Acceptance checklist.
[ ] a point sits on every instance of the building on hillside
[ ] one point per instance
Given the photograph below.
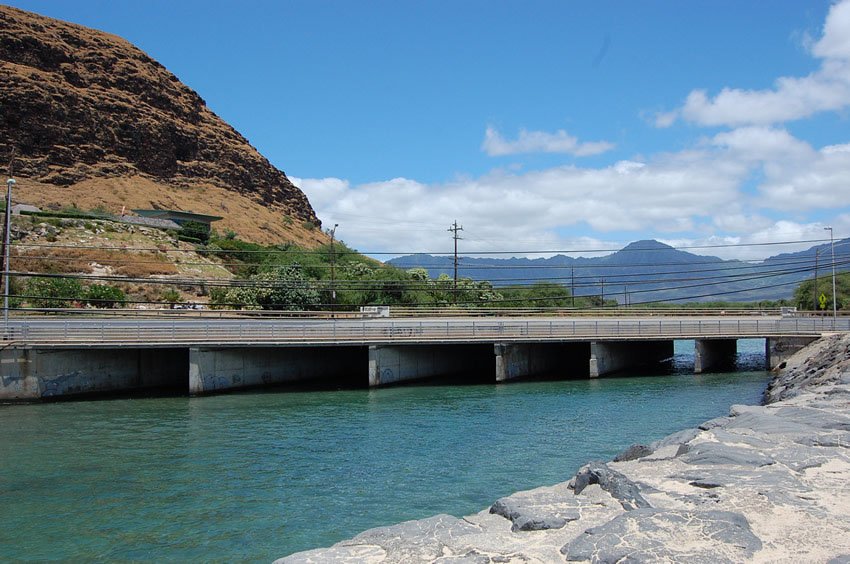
(17, 209)
(179, 217)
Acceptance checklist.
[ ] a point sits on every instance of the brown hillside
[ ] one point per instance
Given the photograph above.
(93, 121)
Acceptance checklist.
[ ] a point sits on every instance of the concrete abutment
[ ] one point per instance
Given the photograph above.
(33, 373)
(778, 349)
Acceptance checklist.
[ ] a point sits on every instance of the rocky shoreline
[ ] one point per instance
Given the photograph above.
(766, 483)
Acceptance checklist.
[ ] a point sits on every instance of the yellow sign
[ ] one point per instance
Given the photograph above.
(822, 301)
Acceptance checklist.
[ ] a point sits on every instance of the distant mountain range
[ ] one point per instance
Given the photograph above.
(646, 271)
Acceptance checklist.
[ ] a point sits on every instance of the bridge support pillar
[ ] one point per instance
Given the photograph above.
(520, 360)
(714, 353)
(34, 373)
(392, 364)
(614, 356)
(219, 369)
(778, 349)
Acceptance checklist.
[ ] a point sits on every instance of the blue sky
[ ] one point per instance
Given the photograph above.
(538, 125)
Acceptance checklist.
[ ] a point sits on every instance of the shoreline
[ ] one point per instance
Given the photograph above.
(765, 483)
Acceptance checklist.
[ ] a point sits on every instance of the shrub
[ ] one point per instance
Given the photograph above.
(171, 296)
(195, 230)
(54, 292)
(104, 295)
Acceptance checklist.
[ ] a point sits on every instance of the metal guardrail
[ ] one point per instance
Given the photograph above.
(177, 332)
(408, 312)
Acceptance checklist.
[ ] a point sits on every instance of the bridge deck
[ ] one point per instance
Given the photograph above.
(112, 332)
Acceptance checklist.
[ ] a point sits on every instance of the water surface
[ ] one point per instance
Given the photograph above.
(256, 476)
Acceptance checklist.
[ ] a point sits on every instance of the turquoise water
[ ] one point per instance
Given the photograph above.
(256, 476)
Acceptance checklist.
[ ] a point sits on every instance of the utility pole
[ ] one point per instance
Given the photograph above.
(10, 183)
(816, 279)
(573, 285)
(454, 229)
(834, 295)
(333, 268)
(603, 291)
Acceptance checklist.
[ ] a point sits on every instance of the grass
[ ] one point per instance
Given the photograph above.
(67, 261)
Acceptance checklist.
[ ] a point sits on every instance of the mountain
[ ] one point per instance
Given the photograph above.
(646, 271)
(89, 119)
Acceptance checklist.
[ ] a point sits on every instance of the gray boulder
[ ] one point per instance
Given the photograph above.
(621, 488)
(650, 535)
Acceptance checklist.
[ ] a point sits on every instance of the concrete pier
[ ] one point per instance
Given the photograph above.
(226, 368)
(392, 364)
(607, 357)
(714, 353)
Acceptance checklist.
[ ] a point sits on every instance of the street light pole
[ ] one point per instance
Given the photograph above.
(834, 295)
(10, 183)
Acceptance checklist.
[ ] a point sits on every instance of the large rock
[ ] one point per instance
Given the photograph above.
(76, 104)
(650, 535)
(620, 487)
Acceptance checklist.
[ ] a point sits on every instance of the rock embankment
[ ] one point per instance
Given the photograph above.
(765, 484)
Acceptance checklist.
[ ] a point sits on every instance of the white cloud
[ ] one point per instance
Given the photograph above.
(666, 119)
(540, 142)
(725, 190)
(764, 144)
(791, 98)
(835, 43)
(820, 182)
(509, 211)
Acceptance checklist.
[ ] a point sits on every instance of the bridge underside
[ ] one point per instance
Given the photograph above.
(44, 372)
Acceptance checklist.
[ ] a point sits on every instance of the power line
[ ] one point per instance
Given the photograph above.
(436, 254)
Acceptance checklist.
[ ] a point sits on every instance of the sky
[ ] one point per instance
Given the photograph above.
(539, 126)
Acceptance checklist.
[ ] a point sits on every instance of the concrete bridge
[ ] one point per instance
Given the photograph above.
(50, 357)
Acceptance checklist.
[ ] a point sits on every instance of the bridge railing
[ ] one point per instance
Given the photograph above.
(141, 332)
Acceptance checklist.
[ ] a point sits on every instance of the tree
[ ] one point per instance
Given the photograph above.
(537, 295)
(805, 296)
(279, 288)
